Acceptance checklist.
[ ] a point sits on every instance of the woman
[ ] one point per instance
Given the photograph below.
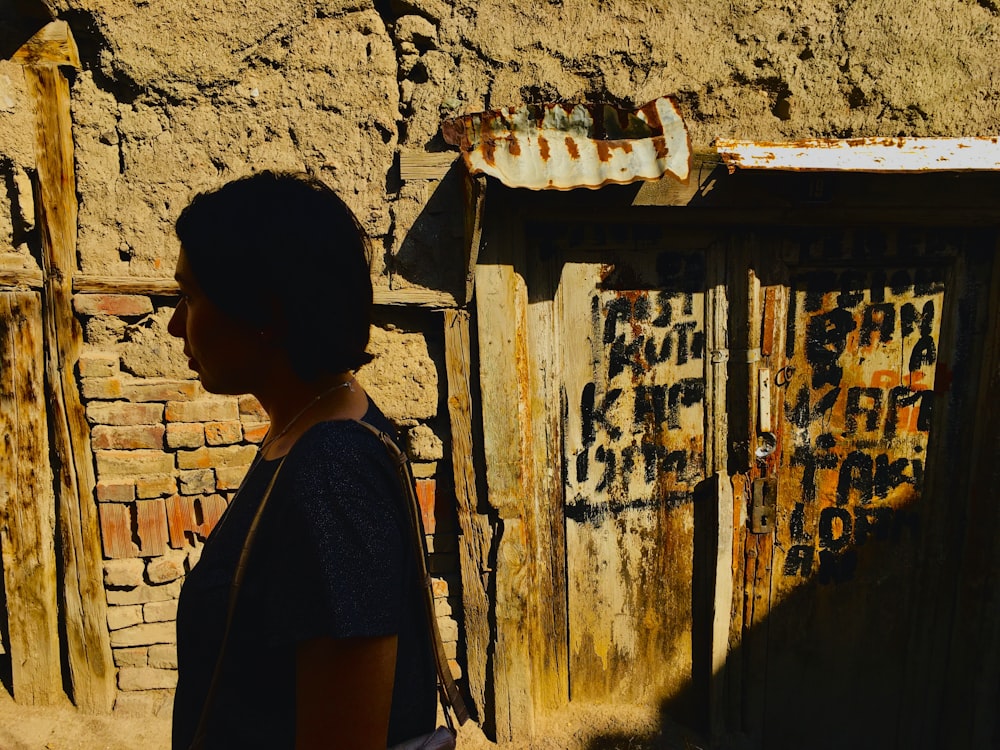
(328, 645)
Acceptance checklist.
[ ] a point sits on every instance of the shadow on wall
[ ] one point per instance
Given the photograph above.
(19, 21)
(431, 251)
(831, 664)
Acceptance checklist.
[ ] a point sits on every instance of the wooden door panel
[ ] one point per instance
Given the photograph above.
(633, 385)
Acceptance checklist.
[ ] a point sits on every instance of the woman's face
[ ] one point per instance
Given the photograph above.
(228, 354)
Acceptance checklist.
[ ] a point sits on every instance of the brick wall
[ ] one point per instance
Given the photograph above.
(169, 457)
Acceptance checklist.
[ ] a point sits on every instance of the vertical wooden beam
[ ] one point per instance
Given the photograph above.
(91, 668)
(27, 505)
(477, 536)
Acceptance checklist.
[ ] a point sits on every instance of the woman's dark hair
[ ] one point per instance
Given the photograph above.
(281, 247)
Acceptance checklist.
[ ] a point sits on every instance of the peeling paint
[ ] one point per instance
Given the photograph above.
(864, 154)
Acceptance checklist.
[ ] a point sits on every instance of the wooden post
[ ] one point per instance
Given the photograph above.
(91, 668)
(477, 535)
(27, 505)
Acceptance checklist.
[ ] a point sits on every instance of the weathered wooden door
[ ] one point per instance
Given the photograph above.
(631, 313)
(864, 370)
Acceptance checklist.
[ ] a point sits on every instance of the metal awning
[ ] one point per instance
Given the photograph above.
(976, 154)
(561, 146)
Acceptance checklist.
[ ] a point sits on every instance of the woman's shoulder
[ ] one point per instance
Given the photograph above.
(342, 442)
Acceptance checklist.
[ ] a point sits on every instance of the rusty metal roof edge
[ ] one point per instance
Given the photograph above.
(564, 146)
(872, 154)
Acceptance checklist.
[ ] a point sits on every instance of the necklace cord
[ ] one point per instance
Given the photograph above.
(269, 441)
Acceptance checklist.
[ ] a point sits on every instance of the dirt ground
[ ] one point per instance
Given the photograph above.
(62, 727)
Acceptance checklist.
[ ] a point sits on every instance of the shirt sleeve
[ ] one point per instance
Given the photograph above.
(338, 539)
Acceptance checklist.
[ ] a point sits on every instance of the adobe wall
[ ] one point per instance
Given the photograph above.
(179, 95)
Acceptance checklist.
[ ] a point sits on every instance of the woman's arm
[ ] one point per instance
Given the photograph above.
(344, 693)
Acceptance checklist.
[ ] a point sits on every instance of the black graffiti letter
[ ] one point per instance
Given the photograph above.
(856, 473)
(828, 538)
(799, 560)
(880, 319)
(826, 340)
(871, 412)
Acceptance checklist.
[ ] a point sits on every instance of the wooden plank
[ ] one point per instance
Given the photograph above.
(27, 506)
(544, 509)
(26, 278)
(501, 299)
(477, 534)
(52, 45)
(475, 202)
(91, 668)
(415, 164)
(93, 283)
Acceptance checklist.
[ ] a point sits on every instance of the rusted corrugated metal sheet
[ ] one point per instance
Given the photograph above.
(865, 154)
(563, 146)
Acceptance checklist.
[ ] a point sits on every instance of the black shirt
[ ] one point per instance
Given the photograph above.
(333, 557)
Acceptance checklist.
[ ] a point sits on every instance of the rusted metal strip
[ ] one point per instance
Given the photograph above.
(559, 146)
(865, 154)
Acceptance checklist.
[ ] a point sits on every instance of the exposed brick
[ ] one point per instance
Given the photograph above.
(254, 432)
(98, 364)
(161, 390)
(107, 389)
(163, 656)
(443, 585)
(123, 617)
(229, 479)
(251, 410)
(448, 629)
(223, 433)
(151, 521)
(451, 650)
(165, 611)
(203, 410)
(145, 635)
(123, 413)
(122, 305)
(197, 482)
(183, 514)
(128, 437)
(116, 530)
(143, 704)
(185, 435)
(455, 667)
(130, 463)
(427, 495)
(133, 656)
(167, 568)
(443, 608)
(224, 456)
(156, 485)
(122, 491)
(146, 678)
(125, 573)
(144, 593)
(424, 469)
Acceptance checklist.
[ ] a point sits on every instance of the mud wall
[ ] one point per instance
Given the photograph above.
(173, 97)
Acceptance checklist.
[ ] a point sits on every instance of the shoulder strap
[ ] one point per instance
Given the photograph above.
(448, 690)
(234, 590)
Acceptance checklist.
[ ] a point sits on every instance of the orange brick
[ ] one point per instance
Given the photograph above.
(116, 530)
(255, 432)
(203, 410)
(192, 516)
(151, 519)
(223, 433)
(116, 492)
(155, 485)
(124, 413)
(101, 389)
(250, 408)
(127, 437)
(185, 435)
(124, 305)
(427, 496)
(161, 390)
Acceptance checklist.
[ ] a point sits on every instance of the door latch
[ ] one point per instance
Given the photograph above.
(763, 505)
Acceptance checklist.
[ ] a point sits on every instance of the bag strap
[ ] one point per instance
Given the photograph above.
(234, 590)
(447, 688)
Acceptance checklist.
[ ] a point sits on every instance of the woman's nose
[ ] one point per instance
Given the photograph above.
(175, 326)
